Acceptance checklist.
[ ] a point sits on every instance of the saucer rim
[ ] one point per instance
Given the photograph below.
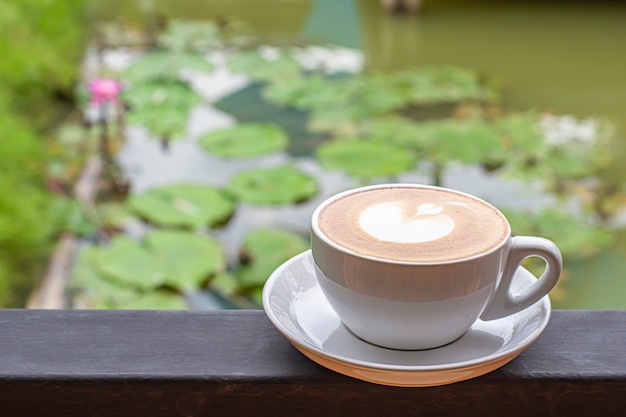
(303, 342)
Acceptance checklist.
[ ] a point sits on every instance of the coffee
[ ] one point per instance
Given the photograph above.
(413, 224)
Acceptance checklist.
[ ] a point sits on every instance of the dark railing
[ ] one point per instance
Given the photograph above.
(235, 363)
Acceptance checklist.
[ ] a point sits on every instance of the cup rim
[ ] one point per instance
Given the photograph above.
(315, 229)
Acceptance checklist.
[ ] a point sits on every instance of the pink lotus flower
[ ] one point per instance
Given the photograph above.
(103, 90)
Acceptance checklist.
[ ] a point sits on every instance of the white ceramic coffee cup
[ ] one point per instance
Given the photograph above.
(423, 305)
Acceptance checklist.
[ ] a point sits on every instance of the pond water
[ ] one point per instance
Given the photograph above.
(556, 56)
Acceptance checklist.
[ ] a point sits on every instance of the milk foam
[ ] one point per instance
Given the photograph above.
(380, 223)
(400, 223)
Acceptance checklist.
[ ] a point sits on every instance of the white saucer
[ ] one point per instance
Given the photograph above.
(294, 303)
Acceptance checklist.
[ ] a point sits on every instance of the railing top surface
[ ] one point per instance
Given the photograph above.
(235, 363)
(244, 346)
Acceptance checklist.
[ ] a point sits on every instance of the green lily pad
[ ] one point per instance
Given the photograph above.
(467, 141)
(161, 122)
(183, 205)
(113, 215)
(184, 35)
(276, 185)
(522, 134)
(182, 260)
(157, 300)
(339, 99)
(245, 140)
(163, 65)
(188, 259)
(161, 106)
(263, 251)
(129, 263)
(432, 85)
(157, 94)
(225, 284)
(85, 274)
(308, 92)
(375, 94)
(574, 236)
(258, 68)
(365, 159)
(444, 140)
(89, 288)
(394, 129)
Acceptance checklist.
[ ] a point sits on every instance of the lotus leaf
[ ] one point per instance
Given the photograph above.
(245, 140)
(182, 260)
(181, 35)
(259, 68)
(365, 159)
(112, 215)
(353, 98)
(276, 185)
(157, 300)
(161, 106)
(264, 250)
(157, 94)
(163, 65)
(91, 289)
(129, 263)
(307, 92)
(468, 141)
(226, 292)
(446, 140)
(187, 259)
(87, 279)
(161, 122)
(183, 205)
(445, 85)
(375, 94)
(396, 130)
(225, 284)
(574, 236)
(522, 133)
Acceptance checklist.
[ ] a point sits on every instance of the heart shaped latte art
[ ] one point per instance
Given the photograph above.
(388, 222)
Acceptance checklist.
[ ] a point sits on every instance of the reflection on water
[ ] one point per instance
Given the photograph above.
(556, 56)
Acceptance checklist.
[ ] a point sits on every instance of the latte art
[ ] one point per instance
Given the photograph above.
(413, 224)
(388, 222)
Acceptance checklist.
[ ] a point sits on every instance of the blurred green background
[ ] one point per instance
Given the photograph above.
(544, 57)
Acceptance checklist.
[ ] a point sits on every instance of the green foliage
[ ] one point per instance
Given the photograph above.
(161, 106)
(334, 102)
(339, 99)
(200, 36)
(42, 44)
(182, 35)
(431, 85)
(275, 185)
(183, 205)
(259, 68)
(245, 140)
(365, 159)
(181, 260)
(303, 92)
(153, 95)
(574, 236)
(158, 97)
(92, 289)
(263, 251)
(381, 125)
(467, 141)
(165, 66)
(25, 239)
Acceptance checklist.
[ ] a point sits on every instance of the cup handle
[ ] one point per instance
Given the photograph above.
(504, 302)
